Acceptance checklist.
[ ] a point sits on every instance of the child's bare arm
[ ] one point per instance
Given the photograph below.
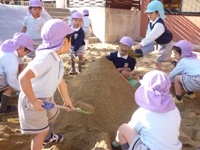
(23, 29)
(123, 69)
(25, 82)
(63, 90)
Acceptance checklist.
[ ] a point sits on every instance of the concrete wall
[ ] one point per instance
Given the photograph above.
(121, 23)
(109, 25)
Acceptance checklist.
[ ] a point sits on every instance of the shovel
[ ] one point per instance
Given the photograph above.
(48, 106)
(75, 58)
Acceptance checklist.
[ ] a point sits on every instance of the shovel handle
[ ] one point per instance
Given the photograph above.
(48, 106)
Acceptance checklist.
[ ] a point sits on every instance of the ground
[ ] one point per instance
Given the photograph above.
(113, 98)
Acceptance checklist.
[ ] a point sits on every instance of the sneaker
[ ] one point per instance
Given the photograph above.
(54, 138)
(177, 101)
(115, 144)
(9, 108)
(191, 96)
(72, 72)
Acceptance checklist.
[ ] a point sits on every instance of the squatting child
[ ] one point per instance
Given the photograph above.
(186, 74)
(155, 124)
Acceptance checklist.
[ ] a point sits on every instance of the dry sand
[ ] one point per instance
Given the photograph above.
(101, 86)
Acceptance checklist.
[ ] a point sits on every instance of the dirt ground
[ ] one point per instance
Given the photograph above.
(101, 86)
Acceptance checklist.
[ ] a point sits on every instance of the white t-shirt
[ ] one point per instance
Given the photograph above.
(9, 67)
(33, 26)
(159, 131)
(48, 70)
(86, 22)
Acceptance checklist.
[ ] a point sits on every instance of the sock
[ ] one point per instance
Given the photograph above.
(125, 146)
(179, 97)
(189, 93)
(4, 100)
(48, 136)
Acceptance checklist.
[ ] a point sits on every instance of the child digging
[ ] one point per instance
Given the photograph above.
(39, 81)
(122, 61)
(186, 74)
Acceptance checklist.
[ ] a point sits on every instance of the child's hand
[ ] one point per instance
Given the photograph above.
(37, 105)
(119, 69)
(68, 104)
(139, 46)
(75, 53)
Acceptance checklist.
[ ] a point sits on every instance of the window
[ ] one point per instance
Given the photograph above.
(171, 4)
(182, 6)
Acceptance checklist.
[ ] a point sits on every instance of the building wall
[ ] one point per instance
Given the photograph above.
(182, 26)
(121, 23)
(109, 25)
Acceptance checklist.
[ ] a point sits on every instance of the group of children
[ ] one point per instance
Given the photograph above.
(155, 125)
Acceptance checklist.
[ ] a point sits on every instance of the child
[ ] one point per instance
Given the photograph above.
(77, 43)
(155, 125)
(69, 19)
(39, 81)
(158, 31)
(87, 26)
(32, 24)
(10, 51)
(186, 74)
(122, 61)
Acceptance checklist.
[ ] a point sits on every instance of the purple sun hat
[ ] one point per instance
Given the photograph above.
(186, 48)
(85, 12)
(35, 3)
(154, 92)
(73, 11)
(126, 41)
(19, 39)
(53, 33)
(76, 15)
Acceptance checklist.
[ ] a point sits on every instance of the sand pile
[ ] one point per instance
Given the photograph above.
(101, 86)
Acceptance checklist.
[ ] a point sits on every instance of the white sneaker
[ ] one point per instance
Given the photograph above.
(54, 138)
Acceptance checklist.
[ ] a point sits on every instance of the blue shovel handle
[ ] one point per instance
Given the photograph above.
(48, 105)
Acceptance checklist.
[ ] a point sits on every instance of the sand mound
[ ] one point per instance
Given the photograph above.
(101, 86)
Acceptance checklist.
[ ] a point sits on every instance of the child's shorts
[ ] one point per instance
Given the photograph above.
(87, 32)
(80, 51)
(164, 52)
(34, 122)
(137, 144)
(3, 83)
(190, 83)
